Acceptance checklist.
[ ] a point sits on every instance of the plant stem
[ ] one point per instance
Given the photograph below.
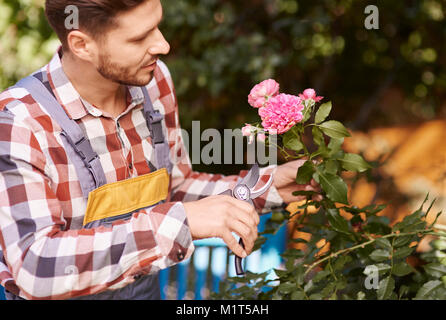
(362, 245)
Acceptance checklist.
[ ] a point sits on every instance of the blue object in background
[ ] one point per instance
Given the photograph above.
(2, 293)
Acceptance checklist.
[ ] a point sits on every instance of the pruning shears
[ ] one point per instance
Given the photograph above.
(243, 191)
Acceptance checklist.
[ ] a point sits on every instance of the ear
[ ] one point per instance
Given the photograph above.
(82, 45)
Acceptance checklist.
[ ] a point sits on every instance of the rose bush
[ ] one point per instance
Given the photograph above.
(353, 253)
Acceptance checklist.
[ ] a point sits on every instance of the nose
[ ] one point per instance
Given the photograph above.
(159, 45)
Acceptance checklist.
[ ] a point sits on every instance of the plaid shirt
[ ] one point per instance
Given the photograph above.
(45, 253)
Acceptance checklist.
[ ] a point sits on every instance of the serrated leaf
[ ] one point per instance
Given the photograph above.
(372, 209)
(427, 289)
(334, 186)
(401, 269)
(323, 112)
(334, 129)
(337, 221)
(380, 255)
(383, 243)
(304, 173)
(411, 222)
(402, 240)
(386, 287)
(354, 162)
(402, 252)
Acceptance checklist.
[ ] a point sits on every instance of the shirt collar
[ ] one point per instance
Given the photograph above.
(75, 106)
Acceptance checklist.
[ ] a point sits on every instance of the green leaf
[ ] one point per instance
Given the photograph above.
(331, 166)
(411, 222)
(298, 295)
(341, 262)
(318, 136)
(439, 244)
(334, 129)
(383, 243)
(402, 240)
(334, 186)
(323, 112)
(380, 255)
(403, 291)
(291, 141)
(304, 173)
(335, 145)
(385, 288)
(320, 275)
(383, 268)
(427, 289)
(401, 269)
(402, 252)
(354, 162)
(303, 193)
(337, 221)
(435, 269)
(287, 287)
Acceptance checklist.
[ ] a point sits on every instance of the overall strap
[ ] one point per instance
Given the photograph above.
(87, 163)
(154, 122)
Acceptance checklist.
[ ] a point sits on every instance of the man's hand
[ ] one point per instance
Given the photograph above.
(285, 182)
(219, 216)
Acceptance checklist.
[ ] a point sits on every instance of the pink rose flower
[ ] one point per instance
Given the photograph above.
(246, 130)
(281, 113)
(261, 137)
(310, 94)
(262, 92)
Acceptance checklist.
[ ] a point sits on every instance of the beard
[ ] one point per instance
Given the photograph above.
(120, 74)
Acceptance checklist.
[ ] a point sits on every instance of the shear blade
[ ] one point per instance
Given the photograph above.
(260, 191)
(250, 180)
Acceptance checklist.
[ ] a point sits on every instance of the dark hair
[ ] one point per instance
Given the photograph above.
(95, 16)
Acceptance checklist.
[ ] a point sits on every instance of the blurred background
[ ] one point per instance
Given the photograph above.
(388, 85)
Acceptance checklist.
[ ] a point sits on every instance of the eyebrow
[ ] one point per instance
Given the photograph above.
(143, 35)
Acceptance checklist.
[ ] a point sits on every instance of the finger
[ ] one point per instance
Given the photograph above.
(250, 219)
(233, 245)
(247, 208)
(247, 234)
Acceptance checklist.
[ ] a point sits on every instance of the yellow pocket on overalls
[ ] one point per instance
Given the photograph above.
(125, 196)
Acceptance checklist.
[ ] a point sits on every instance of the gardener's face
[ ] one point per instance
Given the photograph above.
(128, 54)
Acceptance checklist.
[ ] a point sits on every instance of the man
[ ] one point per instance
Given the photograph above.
(98, 78)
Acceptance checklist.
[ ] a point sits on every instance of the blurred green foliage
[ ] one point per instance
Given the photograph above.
(220, 49)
